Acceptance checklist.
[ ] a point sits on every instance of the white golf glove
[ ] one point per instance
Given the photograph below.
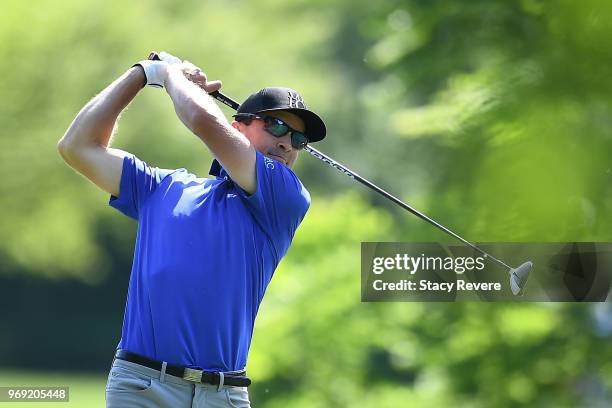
(156, 70)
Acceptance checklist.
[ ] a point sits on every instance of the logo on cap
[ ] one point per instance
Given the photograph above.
(296, 100)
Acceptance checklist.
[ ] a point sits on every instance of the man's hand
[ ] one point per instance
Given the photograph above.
(198, 77)
(189, 70)
(166, 57)
(156, 68)
(155, 72)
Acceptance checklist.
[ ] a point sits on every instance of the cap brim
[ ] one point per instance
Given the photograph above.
(314, 125)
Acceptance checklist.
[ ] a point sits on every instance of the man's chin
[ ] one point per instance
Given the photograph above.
(278, 159)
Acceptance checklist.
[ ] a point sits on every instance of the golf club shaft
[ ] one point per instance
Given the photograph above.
(343, 169)
(396, 200)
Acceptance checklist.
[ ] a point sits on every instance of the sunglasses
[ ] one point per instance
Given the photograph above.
(277, 128)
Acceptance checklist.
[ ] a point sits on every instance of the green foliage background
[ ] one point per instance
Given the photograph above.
(491, 116)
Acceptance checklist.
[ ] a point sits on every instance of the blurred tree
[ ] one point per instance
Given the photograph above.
(503, 108)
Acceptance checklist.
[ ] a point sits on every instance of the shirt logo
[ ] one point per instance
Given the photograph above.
(296, 101)
(269, 163)
(230, 195)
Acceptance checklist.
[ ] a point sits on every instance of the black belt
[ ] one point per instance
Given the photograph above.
(238, 379)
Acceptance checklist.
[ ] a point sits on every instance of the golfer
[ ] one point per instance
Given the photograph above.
(206, 248)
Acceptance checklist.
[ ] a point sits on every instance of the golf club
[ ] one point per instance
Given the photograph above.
(518, 275)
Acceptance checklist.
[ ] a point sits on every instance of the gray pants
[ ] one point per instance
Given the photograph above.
(132, 385)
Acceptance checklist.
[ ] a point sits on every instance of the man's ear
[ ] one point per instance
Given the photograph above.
(239, 126)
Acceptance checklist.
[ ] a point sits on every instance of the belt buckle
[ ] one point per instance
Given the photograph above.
(192, 375)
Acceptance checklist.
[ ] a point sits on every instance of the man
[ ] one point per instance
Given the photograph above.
(206, 249)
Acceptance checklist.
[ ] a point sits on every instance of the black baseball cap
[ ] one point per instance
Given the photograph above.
(285, 99)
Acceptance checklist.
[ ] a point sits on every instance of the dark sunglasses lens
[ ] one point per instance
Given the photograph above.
(277, 127)
(298, 140)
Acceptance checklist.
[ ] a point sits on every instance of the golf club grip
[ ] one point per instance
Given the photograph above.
(215, 94)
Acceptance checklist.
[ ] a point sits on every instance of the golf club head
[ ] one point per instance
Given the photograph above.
(518, 277)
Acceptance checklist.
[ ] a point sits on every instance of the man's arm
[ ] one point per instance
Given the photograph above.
(199, 112)
(85, 145)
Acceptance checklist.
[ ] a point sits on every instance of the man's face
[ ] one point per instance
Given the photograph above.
(277, 148)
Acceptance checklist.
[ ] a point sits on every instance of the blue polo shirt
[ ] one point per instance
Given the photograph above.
(204, 255)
